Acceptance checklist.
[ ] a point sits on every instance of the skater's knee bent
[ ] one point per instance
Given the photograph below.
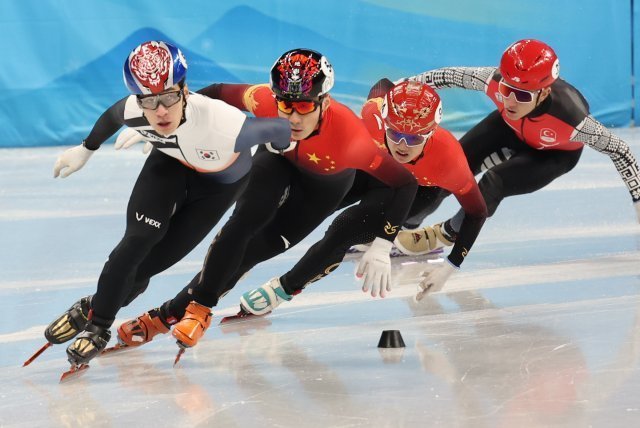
(138, 288)
(348, 230)
(140, 244)
(492, 189)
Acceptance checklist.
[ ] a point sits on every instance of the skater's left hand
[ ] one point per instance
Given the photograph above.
(434, 280)
(375, 268)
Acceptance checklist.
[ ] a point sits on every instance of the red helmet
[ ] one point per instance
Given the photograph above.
(529, 64)
(412, 108)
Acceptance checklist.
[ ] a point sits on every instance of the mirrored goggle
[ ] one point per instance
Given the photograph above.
(167, 99)
(521, 95)
(409, 139)
(301, 107)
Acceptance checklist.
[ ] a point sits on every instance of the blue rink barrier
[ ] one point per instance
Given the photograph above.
(63, 60)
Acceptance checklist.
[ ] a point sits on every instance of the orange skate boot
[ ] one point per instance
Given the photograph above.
(143, 329)
(193, 325)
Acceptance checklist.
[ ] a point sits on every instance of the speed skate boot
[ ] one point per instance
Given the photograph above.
(193, 325)
(65, 327)
(425, 240)
(265, 298)
(89, 343)
(70, 323)
(143, 329)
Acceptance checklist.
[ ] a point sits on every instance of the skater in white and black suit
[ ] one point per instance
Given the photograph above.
(198, 168)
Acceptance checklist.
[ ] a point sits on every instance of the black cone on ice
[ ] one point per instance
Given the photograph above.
(391, 339)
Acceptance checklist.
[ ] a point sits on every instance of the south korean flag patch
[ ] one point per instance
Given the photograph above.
(207, 155)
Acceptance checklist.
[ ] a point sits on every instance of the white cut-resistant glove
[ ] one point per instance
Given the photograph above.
(128, 137)
(636, 205)
(434, 280)
(270, 146)
(71, 160)
(375, 268)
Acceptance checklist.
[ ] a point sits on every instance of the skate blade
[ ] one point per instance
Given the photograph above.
(432, 257)
(180, 352)
(74, 372)
(242, 315)
(37, 354)
(114, 349)
(429, 255)
(397, 254)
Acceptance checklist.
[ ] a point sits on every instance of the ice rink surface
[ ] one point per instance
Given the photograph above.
(541, 328)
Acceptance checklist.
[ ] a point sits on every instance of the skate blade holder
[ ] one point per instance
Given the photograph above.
(74, 372)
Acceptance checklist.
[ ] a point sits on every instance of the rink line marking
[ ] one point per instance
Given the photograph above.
(561, 233)
(625, 264)
(19, 215)
(33, 214)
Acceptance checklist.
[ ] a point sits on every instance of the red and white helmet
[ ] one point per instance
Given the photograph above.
(153, 67)
(412, 108)
(529, 64)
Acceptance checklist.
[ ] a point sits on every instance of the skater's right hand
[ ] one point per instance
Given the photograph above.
(375, 268)
(128, 137)
(71, 160)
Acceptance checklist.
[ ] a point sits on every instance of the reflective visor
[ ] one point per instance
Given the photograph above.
(409, 139)
(521, 95)
(301, 107)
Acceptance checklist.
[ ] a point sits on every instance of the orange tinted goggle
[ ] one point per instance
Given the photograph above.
(301, 107)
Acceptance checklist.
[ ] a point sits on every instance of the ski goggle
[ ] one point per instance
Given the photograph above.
(301, 107)
(411, 140)
(167, 99)
(521, 95)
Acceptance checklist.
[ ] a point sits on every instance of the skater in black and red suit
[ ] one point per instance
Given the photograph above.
(535, 135)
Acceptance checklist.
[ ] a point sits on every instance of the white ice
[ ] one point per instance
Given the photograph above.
(540, 328)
